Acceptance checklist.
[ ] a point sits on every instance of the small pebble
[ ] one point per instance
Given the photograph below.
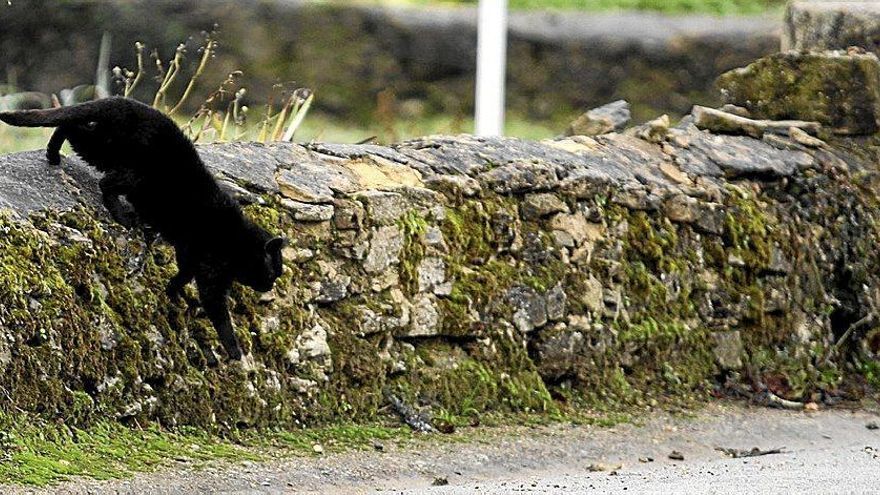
(601, 466)
(676, 455)
(440, 481)
(873, 426)
(318, 449)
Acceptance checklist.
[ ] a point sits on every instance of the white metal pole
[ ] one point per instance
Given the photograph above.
(491, 67)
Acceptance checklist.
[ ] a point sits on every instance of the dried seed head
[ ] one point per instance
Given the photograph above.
(302, 94)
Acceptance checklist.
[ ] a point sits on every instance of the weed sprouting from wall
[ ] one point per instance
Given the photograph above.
(223, 114)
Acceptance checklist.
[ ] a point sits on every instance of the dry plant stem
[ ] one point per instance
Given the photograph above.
(869, 319)
(160, 69)
(209, 117)
(835, 348)
(267, 122)
(293, 109)
(232, 113)
(205, 109)
(204, 114)
(298, 119)
(264, 129)
(188, 127)
(238, 114)
(238, 111)
(226, 119)
(282, 117)
(170, 76)
(264, 125)
(205, 122)
(129, 88)
(208, 52)
(774, 400)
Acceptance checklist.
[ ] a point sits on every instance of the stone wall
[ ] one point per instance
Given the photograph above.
(425, 59)
(832, 25)
(465, 274)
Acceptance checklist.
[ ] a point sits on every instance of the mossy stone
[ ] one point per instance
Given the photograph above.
(837, 89)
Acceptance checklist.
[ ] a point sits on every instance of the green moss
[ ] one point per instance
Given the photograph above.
(870, 370)
(478, 276)
(652, 251)
(476, 381)
(39, 453)
(265, 216)
(479, 265)
(834, 91)
(750, 233)
(748, 230)
(413, 226)
(480, 380)
(480, 289)
(652, 350)
(460, 381)
(680, 354)
(89, 336)
(468, 230)
(795, 375)
(472, 387)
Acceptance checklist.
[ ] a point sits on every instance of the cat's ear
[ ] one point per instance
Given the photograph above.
(275, 244)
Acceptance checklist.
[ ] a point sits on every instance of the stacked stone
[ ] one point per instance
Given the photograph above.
(474, 273)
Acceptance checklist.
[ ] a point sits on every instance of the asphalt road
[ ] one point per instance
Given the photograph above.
(823, 452)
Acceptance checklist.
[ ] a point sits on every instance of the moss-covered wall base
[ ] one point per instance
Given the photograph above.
(466, 274)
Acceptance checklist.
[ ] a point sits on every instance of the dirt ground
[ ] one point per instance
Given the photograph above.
(830, 451)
